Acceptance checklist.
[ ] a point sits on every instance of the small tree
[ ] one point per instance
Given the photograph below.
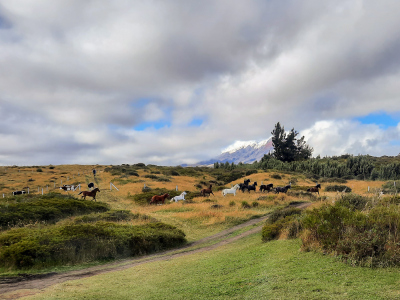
(287, 147)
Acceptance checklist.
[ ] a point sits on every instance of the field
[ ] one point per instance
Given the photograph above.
(243, 269)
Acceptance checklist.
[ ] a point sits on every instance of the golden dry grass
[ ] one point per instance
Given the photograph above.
(197, 219)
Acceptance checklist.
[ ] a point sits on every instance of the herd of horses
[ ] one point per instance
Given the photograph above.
(208, 191)
(241, 186)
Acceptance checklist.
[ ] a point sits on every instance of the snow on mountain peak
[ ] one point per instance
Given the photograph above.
(243, 144)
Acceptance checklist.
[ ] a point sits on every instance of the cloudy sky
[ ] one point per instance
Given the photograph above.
(173, 82)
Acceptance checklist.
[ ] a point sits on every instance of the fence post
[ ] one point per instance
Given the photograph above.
(38, 189)
(176, 188)
(110, 186)
(28, 191)
(42, 191)
(368, 188)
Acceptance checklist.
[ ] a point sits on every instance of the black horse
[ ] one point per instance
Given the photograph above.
(250, 187)
(246, 183)
(282, 189)
(267, 187)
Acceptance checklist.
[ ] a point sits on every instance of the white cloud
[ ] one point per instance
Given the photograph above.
(338, 137)
(75, 73)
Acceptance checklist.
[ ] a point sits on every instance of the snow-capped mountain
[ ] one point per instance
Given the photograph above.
(245, 152)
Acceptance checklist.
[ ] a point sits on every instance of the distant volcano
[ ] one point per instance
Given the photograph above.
(245, 152)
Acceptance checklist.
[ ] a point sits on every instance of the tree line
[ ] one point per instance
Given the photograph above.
(294, 155)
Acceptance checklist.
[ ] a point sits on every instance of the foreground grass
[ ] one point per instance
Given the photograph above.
(246, 269)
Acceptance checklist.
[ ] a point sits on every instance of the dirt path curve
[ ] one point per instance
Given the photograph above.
(15, 288)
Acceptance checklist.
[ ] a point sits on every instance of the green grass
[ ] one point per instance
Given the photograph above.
(246, 269)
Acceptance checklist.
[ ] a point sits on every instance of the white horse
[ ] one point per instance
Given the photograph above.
(231, 190)
(180, 197)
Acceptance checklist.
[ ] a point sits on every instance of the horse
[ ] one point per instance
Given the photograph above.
(90, 194)
(267, 187)
(251, 187)
(207, 191)
(180, 197)
(246, 183)
(231, 190)
(282, 189)
(314, 189)
(18, 193)
(155, 199)
(68, 187)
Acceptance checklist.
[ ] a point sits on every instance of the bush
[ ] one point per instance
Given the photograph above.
(151, 176)
(280, 214)
(232, 203)
(25, 248)
(276, 176)
(112, 216)
(163, 179)
(254, 204)
(338, 188)
(271, 231)
(230, 176)
(245, 204)
(39, 170)
(333, 179)
(353, 202)
(48, 208)
(249, 172)
(361, 239)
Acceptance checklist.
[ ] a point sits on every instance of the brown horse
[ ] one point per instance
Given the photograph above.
(90, 194)
(207, 191)
(155, 199)
(314, 189)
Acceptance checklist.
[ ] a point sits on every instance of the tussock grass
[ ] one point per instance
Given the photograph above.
(48, 208)
(77, 243)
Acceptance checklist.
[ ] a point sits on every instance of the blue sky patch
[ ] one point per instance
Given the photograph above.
(196, 123)
(140, 103)
(156, 125)
(382, 119)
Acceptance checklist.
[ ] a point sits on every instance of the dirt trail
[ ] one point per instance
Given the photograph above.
(14, 288)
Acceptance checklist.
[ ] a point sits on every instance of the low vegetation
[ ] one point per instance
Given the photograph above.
(48, 208)
(23, 248)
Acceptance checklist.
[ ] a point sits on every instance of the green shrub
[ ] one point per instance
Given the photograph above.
(163, 179)
(333, 179)
(232, 203)
(249, 172)
(361, 239)
(26, 248)
(353, 201)
(271, 231)
(280, 214)
(39, 170)
(338, 188)
(276, 176)
(151, 176)
(49, 208)
(254, 204)
(230, 176)
(111, 216)
(245, 204)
